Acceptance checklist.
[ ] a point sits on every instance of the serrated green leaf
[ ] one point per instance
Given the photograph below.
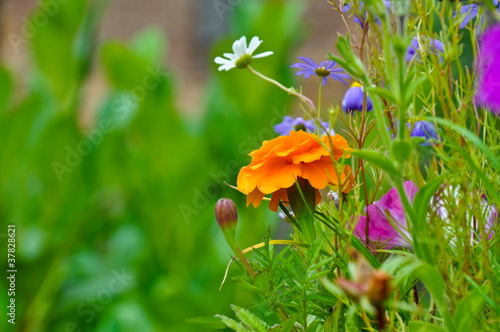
(232, 324)
(251, 321)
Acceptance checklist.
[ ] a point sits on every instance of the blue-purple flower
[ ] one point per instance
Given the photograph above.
(324, 70)
(469, 12)
(299, 123)
(488, 69)
(423, 129)
(433, 45)
(354, 99)
(361, 19)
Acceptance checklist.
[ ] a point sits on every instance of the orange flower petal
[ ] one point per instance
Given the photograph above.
(280, 161)
(255, 198)
(278, 196)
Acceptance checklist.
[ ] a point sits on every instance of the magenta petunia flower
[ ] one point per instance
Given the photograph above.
(387, 222)
(488, 70)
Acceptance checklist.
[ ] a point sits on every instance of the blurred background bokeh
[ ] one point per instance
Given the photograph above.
(117, 134)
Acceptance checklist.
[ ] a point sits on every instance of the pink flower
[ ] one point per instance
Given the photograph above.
(387, 227)
(488, 69)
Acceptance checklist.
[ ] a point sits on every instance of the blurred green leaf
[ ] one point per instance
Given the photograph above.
(424, 327)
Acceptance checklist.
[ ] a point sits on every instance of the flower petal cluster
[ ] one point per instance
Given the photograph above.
(435, 46)
(361, 19)
(469, 12)
(387, 227)
(324, 70)
(354, 99)
(280, 162)
(299, 123)
(488, 69)
(423, 129)
(242, 55)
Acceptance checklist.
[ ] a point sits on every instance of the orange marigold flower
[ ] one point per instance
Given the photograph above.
(281, 161)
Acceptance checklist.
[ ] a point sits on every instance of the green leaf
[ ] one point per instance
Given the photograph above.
(208, 322)
(467, 310)
(433, 281)
(380, 160)
(350, 62)
(6, 85)
(424, 327)
(471, 137)
(362, 249)
(231, 323)
(423, 198)
(250, 320)
(384, 93)
(483, 294)
(402, 149)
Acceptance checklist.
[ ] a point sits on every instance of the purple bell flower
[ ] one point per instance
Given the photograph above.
(354, 98)
(424, 129)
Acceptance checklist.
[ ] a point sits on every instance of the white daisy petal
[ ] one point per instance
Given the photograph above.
(240, 49)
(220, 61)
(261, 55)
(254, 43)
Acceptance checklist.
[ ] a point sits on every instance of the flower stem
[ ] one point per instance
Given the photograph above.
(320, 96)
(284, 88)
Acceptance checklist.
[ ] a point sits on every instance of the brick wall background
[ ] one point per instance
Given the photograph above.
(191, 27)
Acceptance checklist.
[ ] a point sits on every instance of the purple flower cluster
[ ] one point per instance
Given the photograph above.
(470, 12)
(299, 123)
(361, 19)
(435, 46)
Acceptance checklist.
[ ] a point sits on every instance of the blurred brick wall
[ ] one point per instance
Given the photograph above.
(190, 27)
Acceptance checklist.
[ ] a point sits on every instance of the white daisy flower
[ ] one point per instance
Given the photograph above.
(242, 55)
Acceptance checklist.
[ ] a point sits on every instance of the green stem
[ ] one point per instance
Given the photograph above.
(284, 88)
(320, 96)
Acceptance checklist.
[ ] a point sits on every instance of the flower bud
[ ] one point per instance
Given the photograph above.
(226, 214)
(424, 129)
(379, 287)
(354, 99)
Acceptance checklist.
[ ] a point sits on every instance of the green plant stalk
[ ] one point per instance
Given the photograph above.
(237, 251)
(284, 88)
